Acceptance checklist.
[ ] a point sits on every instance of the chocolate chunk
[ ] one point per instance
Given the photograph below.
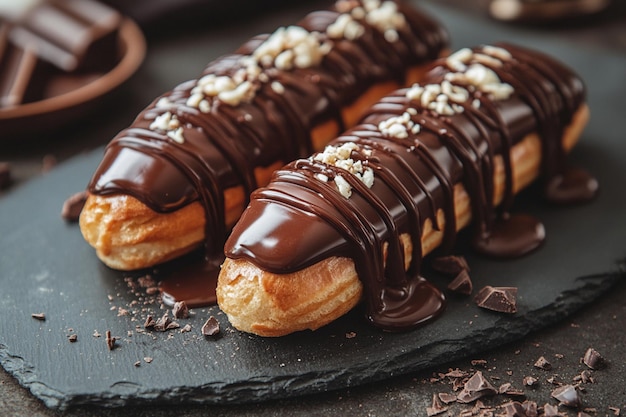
(514, 409)
(162, 323)
(550, 410)
(180, 310)
(73, 338)
(5, 175)
(450, 265)
(436, 407)
(73, 206)
(567, 395)
(211, 327)
(500, 299)
(110, 340)
(530, 381)
(542, 363)
(39, 316)
(149, 323)
(462, 284)
(446, 397)
(476, 387)
(530, 407)
(593, 359)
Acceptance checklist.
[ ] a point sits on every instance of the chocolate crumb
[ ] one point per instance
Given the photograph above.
(72, 338)
(514, 409)
(542, 363)
(450, 265)
(5, 175)
(436, 407)
(476, 387)
(211, 327)
(479, 362)
(350, 335)
(148, 359)
(500, 299)
(137, 364)
(73, 206)
(39, 316)
(180, 310)
(567, 396)
(110, 341)
(186, 328)
(446, 397)
(461, 284)
(530, 381)
(593, 359)
(550, 410)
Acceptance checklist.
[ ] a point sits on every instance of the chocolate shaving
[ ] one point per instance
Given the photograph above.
(110, 340)
(593, 359)
(542, 363)
(39, 316)
(450, 265)
(461, 284)
(436, 407)
(180, 310)
(446, 397)
(500, 299)
(476, 387)
(73, 206)
(5, 175)
(567, 396)
(211, 327)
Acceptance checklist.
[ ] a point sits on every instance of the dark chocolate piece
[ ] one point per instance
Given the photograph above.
(550, 410)
(5, 175)
(476, 387)
(514, 409)
(530, 381)
(500, 299)
(39, 316)
(110, 340)
(450, 265)
(446, 397)
(531, 408)
(542, 363)
(72, 338)
(462, 284)
(149, 323)
(593, 359)
(73, 206)
(211, 327)
(436, 407)
(567, 395)
(180, 310)
(17, 68)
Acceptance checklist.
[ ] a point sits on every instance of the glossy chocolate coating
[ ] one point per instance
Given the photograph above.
(224, 145)
(414, 178)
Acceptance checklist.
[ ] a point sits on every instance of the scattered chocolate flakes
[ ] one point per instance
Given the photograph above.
(500, 299)
(567, 396)
(476, 387)
(479, 362)
(211, 327)
(39, 316)
(73, 206)
(584, 377)
(436, 408)
(110, 340)
(542, 363)
(180, 310)
(456, 373)
(450, 265)
(72, 338)
(530, 381)
(593, 359)
(5, 175)
(162, 323)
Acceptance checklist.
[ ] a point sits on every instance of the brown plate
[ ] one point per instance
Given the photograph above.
(53, 112)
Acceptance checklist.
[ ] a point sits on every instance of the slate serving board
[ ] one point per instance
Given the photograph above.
(45, 266)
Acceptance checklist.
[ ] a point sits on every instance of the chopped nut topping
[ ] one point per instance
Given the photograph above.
(399, 126)
(170, 124)
(341, 157)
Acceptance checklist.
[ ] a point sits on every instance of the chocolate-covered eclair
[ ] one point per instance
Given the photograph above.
(355, 221)
(181, 174)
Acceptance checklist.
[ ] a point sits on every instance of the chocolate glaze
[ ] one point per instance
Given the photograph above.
(223, 146)
(414, 178)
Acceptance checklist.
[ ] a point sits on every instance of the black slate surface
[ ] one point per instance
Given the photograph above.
(46, 267)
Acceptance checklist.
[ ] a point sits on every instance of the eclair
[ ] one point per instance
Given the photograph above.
(180, 176)
(352, 224)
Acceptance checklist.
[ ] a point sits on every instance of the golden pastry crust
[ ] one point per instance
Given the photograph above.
(269, 304)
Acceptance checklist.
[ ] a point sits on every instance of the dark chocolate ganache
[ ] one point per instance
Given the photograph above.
(387, 176)
(258, 106)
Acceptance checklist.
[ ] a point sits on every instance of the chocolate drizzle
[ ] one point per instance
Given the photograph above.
(419, 146)
(207, 146)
